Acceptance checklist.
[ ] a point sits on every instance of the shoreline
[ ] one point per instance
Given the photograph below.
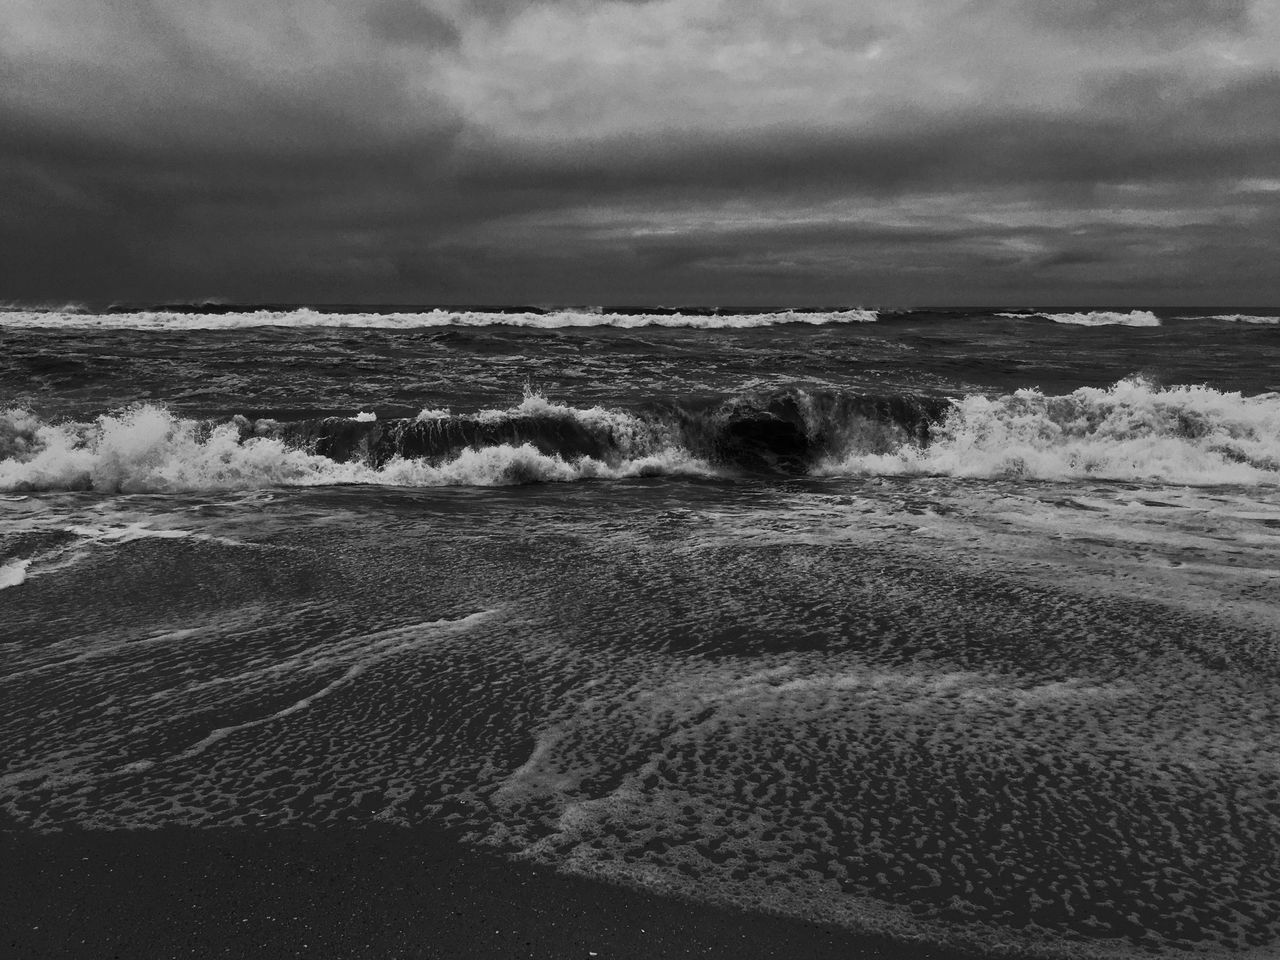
(371, 892)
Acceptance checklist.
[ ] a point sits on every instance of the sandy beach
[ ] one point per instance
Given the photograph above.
(369, 893)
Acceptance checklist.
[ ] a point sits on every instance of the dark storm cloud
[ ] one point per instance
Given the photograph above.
(1235, 135)
(405, 150)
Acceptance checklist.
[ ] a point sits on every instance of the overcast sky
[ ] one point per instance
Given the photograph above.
(888, 152)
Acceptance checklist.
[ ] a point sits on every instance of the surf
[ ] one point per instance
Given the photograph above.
(1133, 430)
(426, 319)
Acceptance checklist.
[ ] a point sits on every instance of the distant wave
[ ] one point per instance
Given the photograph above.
(1238, 318)
(1133, 430)
(305, 317)
(1102, 318)
(25, 308)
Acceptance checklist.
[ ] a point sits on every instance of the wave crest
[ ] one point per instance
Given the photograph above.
(1096, 318)
(148, 449)
(1133, 430)
(307, 317)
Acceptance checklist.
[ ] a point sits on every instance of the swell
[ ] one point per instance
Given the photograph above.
(1133, 430)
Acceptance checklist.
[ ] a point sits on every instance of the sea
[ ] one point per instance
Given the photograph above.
(960, 626)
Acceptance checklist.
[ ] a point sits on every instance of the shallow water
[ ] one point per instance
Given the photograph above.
(1015, 699)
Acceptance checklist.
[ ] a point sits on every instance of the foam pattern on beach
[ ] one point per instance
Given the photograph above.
(1096, 318)
(1133, 430)
(764, 703)
(305, 317)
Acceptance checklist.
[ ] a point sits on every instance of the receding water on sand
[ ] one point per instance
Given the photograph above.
(1017, 715)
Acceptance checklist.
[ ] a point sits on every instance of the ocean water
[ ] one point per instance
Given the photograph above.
(958, 625)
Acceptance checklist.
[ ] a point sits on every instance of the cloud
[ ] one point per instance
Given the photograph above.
(410, 22)
(1146, 19)
(561, 150)
(1131, 129)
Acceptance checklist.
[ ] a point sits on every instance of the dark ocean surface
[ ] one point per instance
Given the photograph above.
(959, 626)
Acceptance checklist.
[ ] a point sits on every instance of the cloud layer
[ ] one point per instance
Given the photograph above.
(902, 152)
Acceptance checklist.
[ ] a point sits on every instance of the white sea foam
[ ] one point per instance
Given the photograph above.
(933, 746)
(506, 464)
(13, 573)
(1097, 318)
(148, 449)
(306, 317)
(632, 436)
(126, 532)
(1133, 430)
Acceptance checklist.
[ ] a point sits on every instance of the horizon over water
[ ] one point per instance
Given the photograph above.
(960, 625)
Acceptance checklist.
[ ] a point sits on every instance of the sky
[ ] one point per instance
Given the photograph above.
(879, 153)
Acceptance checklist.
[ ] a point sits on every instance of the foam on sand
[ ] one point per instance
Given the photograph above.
(845, 731)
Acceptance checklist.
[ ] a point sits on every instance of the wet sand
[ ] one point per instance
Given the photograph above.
(368, 893)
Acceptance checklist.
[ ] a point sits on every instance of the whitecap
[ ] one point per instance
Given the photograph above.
(1096, 318)
(147, 449)
(410, 320)
(1132, 430)
(13, 573)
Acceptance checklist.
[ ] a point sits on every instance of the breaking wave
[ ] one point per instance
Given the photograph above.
(148, 449)
(1101, 318)
(1133, 430)
(307, 317)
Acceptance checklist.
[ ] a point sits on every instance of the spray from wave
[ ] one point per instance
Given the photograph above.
(1097, 318)
(307, 317)
(30, 308)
